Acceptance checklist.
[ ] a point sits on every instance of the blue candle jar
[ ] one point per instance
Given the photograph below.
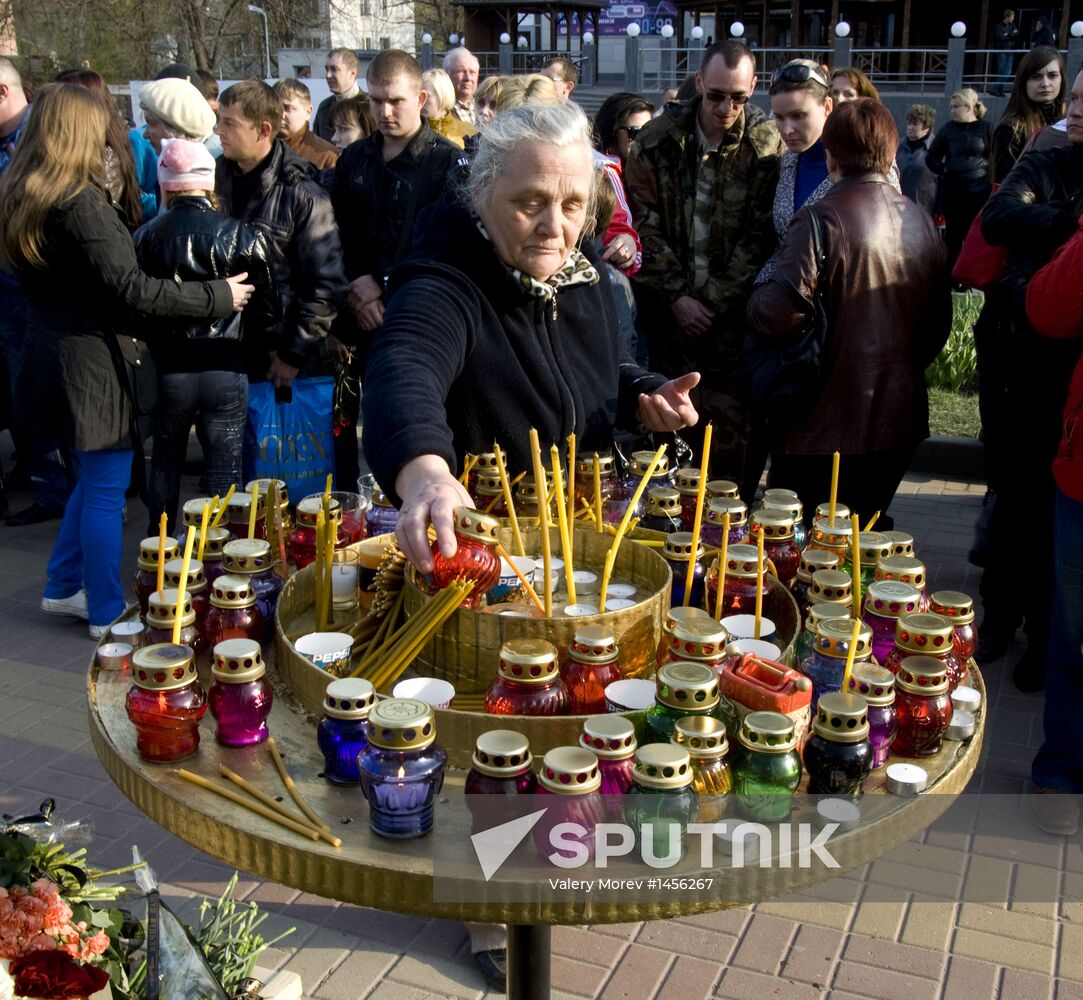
(826, 664)
(381, 517)
(402, 768)
(714, 517)
(341, 732)
(251, 558)
(682, 689)
(661, 802)
(817, 613)
(812, 561)
(838, 755)
(766, 766)
(677, 552)
(663, 509)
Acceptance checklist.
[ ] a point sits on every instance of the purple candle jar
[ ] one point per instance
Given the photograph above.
(885, 602)
(240, 696)
(161, 616)
(146, 574)
(500, 767)
(677, 551)
(612, 739)
(570, 781)
(779, 544)
(381, 517)
(877, 686)
(341, 733)
(251, 558)
(402, 768)
(710, 531)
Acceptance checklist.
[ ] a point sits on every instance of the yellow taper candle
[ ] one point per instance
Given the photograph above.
(723, 554)
(182, 586)
(252, 512)
(697, 523)
(855, 542)
(562, 523)
(222, 507)
(509, 499)
(162, 521)
(203, 530)
(571, 474)
(543, 522)
(854, 636)
(597, 494)
(834, 495)
(759, 583)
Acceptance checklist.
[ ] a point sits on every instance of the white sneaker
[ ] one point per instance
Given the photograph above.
(98, 631)
(66, 607)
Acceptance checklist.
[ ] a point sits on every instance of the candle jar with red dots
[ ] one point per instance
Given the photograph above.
(570, 781)
(593, 664)
(701, 640)
(688, 488)
(146, 574)
(739, 592)
(214, 553)
(528, 681)
(927, 635)
(251, 558)
(923, 706)
(302, 541)
(612, 739)
(233, 613)
(714, 518)
(779, 544)
(475, 556)
(673, 617)
(886, 601)
(832, 536)
(905, 569)
(238, 512)
(165, 702)
(240, 696)
(195, 587)
(959, 610)
(161, 615)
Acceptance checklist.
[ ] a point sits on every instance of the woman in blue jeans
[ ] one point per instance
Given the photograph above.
(63, 237)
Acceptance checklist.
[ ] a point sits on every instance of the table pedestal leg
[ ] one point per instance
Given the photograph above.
(529, 950)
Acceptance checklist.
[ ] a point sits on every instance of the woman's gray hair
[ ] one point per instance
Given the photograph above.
(561, 125)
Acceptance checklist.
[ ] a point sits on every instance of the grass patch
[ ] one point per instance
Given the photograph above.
(953, 414)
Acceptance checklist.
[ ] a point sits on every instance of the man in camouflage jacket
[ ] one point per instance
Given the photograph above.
(702, 180)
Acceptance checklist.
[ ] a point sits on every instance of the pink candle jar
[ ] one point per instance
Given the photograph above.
(214, 553)
(302, 541)
(959, 610)
(475, 558)
(240, 695)
(239, 511)
(570, 781)
(926, 634)
(688, 488)
(146, 574)
(886, 601)
(714, 518)
(195, 587)
(923, 705)
(161, 615)
(904, 569)
(612, 739)
(593, 664)
(779, 544)
(165, 702)
(500, 767)
(528, 681)
(233, 613)
(877, 686)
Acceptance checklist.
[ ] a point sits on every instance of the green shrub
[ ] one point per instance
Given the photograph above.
(956, 367)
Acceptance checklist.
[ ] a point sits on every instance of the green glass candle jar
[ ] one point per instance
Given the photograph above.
(874, 546)
(683, 688)
(661, 802)
(766, 766)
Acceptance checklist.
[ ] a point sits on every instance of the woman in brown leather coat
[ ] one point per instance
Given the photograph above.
(887, 296)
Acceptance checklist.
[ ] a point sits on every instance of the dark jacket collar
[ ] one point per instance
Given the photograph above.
(374, 145)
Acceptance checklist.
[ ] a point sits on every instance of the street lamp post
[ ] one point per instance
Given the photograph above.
(255, 9)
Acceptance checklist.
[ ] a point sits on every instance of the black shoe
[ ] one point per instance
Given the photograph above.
(494, 967)
(34, 514)
(992, 644)
(1028, 675)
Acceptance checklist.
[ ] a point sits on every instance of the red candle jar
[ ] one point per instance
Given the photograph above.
(673, 617)
(488, 495)
(607, 475)
(592, 664)
(829, 586)
(265, 486)
(302, 542)
(688, 489)
(612, 739)
(214, 553)
(161, 615)
(959, 609)
(886, 601)
(905, 569)
(251, 558)
(922, 706)
(475, 557)
(146, 574)
(714, 518)
(196, 586)
(528, 681)
(739, 592)
(500, 767)
(354, 507)
(240, 696)
(832, 536)
(238, 512)
(570, 780)
(233, 613)
(699, 641)
(778, 541)
(165, 702)
(926, 634)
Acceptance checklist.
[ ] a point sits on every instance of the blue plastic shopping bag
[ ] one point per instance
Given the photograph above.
(291, 441)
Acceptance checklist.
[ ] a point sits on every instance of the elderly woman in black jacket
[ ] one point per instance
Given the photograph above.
(499, 325)
(76, 261)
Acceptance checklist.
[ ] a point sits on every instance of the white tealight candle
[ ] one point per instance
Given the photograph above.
(906, 779)
(840, 811)
(586, 582)
(579, 610)
(343, 580)
(620, 604)
(965, 699)
(961, 726)
(621, 591)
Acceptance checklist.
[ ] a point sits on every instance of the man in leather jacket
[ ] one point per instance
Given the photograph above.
(260, 180)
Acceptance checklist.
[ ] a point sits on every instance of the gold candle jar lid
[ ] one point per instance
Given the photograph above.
(662, 765)
(663, 500)
(489, 485)
(903, 569)
(570, 771)
(902, 542)
(741, 561)
(874, 545)
(678, 546)
(401, 724)
(217, 539)
(813, 560)
(240, 507)
(197, 580)
(527, 489)
(232, 592)
(237, 661)
(792, 507)
(891, 598)
(247, 555)
(691, 687)
(474, 524)
(163, 666)
(192, 512)
(349, 698)
(823, 511)
(502, 753)
(723, 489)
(688, 481)
(379, 499)
(486, 464)
(833, 638)
(776, 525)
(842, 718)
(309, 508)
(832, 534)
(148, 552)
(640, 462)
(699, 640)
(767, 732)
(775, 495)
(719, 507)
(674, 616)
(528, 661)
(609, 737)
(265, 490)
(830, 586)
(819, 613)
(584, 464)
(952, 604)
(875, 684)
(924, 633)
(922, 675)
(703, 736)
(593, 644)
(162, 609)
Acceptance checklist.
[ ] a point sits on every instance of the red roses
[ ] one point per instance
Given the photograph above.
(55, 975)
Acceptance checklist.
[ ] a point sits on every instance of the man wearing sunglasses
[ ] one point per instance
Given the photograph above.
(702, 178)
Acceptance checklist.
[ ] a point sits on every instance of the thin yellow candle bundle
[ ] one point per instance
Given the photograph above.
(597, 494)
(611, 555)
(183, 585)
(327, 487)
(697, 523)
(328, 567)
(723, 554)
(571, 473)
(317, 572)
(252, 511)
(850, 655)
(543, 521)
(203, 529)
(834, 496)
(855, 542)
(218, 514)
(161, 553)
(562, 522)
(279, 531)
(759, 583)
(468, 464)
(509, 499)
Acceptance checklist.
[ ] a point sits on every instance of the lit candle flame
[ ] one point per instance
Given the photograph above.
(402, 773)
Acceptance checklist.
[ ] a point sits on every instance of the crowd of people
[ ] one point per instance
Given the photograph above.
(484, 259)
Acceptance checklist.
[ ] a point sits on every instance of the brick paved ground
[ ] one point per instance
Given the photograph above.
(884, 931)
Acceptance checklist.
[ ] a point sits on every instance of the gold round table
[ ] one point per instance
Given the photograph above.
(398, 875)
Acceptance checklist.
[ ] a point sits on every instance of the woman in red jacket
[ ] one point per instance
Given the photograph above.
(1055, 309)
